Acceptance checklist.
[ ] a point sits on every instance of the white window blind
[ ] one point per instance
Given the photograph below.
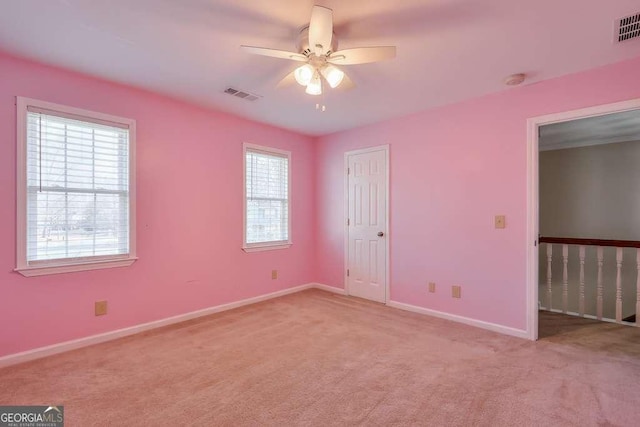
(267, 197)
(77, 188)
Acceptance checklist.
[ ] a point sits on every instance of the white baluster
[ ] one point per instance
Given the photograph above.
(549, 293)
(565, 278)
(599, 283)
(619, 285)
(638, 287)
(581, 297)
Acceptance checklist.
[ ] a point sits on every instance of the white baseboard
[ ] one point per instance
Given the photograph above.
(461, 319)
(37, 353)
(40, 352)
(328, 288)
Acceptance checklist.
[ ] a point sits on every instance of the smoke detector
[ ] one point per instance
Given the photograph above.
(515, 79)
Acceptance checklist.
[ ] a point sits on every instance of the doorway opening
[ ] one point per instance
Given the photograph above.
(584, 219)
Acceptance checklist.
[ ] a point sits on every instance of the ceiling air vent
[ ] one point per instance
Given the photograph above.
(240, 94)
(627, 28)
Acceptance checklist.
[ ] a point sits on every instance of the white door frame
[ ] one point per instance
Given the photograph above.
(384, 148)
(533, 199)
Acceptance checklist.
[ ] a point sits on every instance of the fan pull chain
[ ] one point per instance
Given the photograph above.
(321, 105)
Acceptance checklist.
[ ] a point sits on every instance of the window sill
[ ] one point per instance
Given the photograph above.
(43, 270)
(266, 247)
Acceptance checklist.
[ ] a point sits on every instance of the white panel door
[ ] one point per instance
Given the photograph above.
(367, 219)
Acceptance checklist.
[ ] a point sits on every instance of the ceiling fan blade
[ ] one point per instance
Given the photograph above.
(362, 55)
(345, 84)
(275, 53)
(321, 29)
(288, 80)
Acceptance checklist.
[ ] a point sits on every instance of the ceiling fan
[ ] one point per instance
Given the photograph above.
(317, 48)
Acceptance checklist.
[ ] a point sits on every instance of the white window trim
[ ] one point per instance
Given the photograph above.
(263, 246)
(62, 266)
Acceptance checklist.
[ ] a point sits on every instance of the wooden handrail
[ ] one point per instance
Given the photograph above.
(591, 242)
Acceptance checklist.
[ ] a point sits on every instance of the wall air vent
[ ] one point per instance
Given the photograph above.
(627, 28)
(241, 94)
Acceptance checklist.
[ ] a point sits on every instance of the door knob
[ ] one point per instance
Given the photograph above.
(380, 234)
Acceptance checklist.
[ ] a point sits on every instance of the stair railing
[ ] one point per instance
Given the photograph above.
(600, 244)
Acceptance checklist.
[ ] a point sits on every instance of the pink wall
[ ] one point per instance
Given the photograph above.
(452, 169)
(189, 219)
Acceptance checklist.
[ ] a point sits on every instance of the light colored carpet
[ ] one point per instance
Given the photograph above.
(315, 358)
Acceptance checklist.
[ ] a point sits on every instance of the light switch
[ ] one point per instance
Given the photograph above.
(501, 221)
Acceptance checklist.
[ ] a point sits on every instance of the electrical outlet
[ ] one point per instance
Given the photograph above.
(501, 221)
(432, 287)
(456, 291)
(274, 274)
(101, 308)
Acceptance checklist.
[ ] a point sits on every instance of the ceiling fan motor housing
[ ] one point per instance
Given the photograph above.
(304, 47)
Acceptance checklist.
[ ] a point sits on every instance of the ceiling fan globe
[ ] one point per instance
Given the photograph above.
(315, 85)
(304, 74)
(333, 75)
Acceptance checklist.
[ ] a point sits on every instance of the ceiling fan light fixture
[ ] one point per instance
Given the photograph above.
(304, 74)
(318, 55)
(333, 75)
(315, 85)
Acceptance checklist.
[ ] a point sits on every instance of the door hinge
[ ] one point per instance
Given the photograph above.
(348, 221)
(347, 272)
(348, 171)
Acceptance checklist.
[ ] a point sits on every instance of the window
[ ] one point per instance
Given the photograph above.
(76, 209)
(267, 205)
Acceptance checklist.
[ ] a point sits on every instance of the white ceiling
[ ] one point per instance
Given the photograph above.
(448, 50)
(607, 129)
